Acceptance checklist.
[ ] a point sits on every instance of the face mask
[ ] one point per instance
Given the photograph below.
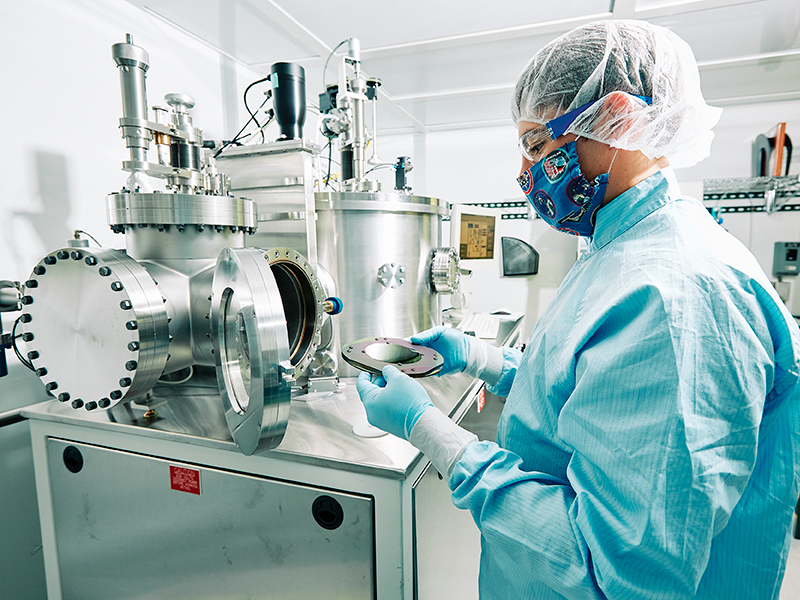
(560, 193)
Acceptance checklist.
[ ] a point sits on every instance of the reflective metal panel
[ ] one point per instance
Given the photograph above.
(130, 526)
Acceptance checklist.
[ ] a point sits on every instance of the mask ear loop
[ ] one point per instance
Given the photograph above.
(612, 162)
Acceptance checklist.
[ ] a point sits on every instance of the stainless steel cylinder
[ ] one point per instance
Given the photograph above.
(378, 249)
(133, 63)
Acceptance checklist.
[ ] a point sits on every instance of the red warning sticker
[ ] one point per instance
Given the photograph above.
(481, 399)
(184, 480)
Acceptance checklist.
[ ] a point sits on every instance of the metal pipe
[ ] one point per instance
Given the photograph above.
(11, 416)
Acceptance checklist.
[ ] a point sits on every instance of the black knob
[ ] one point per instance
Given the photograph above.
(73, 459)
(327, 512)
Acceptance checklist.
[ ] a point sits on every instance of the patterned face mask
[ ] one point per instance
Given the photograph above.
(560, 193)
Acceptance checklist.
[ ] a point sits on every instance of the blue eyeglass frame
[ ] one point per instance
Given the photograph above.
(559, 125)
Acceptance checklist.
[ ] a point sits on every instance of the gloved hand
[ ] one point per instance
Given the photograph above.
(394, 402)
(451, 343)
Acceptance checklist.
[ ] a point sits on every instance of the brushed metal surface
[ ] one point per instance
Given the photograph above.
(123, 533)
(159, 208)
(357, 234)
(96, 318)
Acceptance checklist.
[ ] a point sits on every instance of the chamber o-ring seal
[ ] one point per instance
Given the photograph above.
(374, 353)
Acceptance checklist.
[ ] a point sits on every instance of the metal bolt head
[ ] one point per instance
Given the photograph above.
(33, 355)
(77, 403)
(49, 260)
(63, 397)
(25, 318)
(132, 325)
(131, 365)
(125, 382)
(150, 415)
(50, 386)
(41, 371)
(117, 286)
(115, 395)
(27, 300)
(76, 255)
(105, 272)
(90, 260)
(104, 403)
(133, 346)
(31, 283)
(91, 405)
(39, 270)
(27, 336)
(126, 305)
(62, 254)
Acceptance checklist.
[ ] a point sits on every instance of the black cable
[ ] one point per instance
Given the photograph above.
(247, 107)
(14, 337)
(237, 136)
(327, 60)
(380, 166)
(330, 156)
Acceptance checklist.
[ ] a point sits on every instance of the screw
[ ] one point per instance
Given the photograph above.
(27, 337)
(125, 382)
(62, 254)
(133, 346)
(31, 283)
(63, 397)
(126, 305)
(41, 371)
(171, 337)
(105, 272)
(150, 415)
(76, 255)
(115, 395)
(25, 318)
(33, 355)
(49, 260)
(116, 286)
(131, 365)
(90, 260)
(77, 403)
(50, 386)
(105, 402)
(132, 325)
(39, 270)
(27, 300)
(402, 269)
(91, 405)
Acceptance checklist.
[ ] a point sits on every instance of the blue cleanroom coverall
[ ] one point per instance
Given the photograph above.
(648, 448)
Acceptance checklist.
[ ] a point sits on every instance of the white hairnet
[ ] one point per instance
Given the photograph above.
(594, 60)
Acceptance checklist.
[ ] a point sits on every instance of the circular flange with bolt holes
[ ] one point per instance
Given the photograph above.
(372, 354)
(95, 317)
(266, 314)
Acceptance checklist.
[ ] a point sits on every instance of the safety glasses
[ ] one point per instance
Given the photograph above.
(531, 142)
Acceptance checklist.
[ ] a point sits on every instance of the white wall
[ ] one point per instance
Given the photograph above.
(481, 165)
(62, 150)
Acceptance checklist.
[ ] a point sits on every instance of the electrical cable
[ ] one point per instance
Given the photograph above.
(181, 381)
(327, 60)
(14, 337)
(90, 236)
(247, 107)
(237, 136)
(380, 166)
(261, 129)
(330, 156)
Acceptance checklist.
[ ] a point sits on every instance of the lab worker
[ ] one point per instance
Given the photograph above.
(648, 447)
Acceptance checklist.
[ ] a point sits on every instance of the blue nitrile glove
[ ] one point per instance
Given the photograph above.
(394, 402)
(451, 343)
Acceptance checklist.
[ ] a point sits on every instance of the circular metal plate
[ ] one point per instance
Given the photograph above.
(99, 327)
(180, 209)
(251, 346)
(372, 354)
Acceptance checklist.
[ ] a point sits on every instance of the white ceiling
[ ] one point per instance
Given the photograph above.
(450, 65)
